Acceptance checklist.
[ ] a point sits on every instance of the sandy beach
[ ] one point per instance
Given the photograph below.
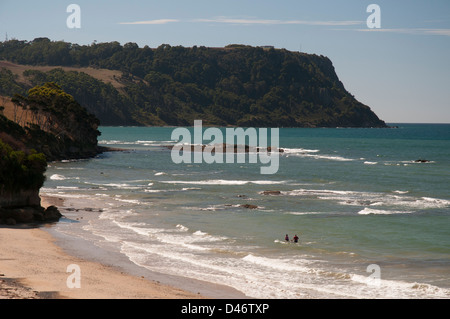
(33, 266)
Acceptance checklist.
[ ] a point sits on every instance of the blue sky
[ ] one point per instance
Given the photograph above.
(402, 70)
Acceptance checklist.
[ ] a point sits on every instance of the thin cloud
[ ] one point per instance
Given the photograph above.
(250, 21)
(275, 22)
(157, 21)
(445, 32)
(416, 31)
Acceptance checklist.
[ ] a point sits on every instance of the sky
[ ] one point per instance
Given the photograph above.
(397, 63)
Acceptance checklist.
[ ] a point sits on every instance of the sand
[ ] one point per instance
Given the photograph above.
(33, 266)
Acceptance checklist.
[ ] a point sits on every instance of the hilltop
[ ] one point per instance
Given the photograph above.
(237, 85)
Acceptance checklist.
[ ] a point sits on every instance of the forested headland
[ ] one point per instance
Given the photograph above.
(173, 85)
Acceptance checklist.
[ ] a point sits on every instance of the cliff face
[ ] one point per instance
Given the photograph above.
(20, 198)
(57, 128)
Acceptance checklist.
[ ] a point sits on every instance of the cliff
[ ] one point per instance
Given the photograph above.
(56, 127)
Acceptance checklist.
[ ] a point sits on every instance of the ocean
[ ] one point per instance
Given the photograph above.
(372, 220)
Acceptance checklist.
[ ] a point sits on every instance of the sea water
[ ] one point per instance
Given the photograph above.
(373, 221)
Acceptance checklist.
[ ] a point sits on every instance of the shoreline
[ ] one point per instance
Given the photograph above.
(34, 265)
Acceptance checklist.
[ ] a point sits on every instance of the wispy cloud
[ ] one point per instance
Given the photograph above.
(268, 22)
(416, 31)
(250, 21)
(157, 21)
(253, 21)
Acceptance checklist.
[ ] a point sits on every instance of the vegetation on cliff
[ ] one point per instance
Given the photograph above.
(55, 123)
(47, 124)
(20, 170)
(235, 85)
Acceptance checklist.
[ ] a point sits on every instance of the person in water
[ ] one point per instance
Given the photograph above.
(295, 238)
(286, 238)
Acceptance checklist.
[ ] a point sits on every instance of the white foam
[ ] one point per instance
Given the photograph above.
(199, 233)
(368, 211)
(308, 153)
(355, 198)
(130, 201)
(304, 213)
(278, 264)
(182, 227)
(57, 177)
(139, 142)
(153, 191)
(135, 227)
(319, 192)
(225, 182)
(370, 163)
(67, 187)
(299, 150)
(190, 188)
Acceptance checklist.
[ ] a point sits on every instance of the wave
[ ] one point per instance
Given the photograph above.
(300, 152)
(304, 213)
(68, 187)
(153, 191)
(117, 185)
(57, 177)
(182, 227)
(400, 192)
(355, 198)
(139, 142)
(369, 211)
(225, 182)
(279, 264)
(393, 288)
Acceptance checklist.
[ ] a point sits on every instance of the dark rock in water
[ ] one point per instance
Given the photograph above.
(422, 161)
(249, 206)
(271, 193)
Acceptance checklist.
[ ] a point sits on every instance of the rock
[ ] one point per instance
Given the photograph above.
(30, 214)
(24, 215)
(249, 206)
(52, 214)
(271, 193)
(280, 150)
(10, 221)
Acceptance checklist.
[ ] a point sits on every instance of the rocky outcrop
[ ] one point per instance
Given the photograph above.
(29, 214)
(422, 161)
(248, 206)
(271, 193)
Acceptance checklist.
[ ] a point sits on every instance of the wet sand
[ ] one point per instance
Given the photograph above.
(32, 265)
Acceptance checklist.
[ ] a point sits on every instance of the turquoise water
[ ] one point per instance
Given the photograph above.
(357, 198)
